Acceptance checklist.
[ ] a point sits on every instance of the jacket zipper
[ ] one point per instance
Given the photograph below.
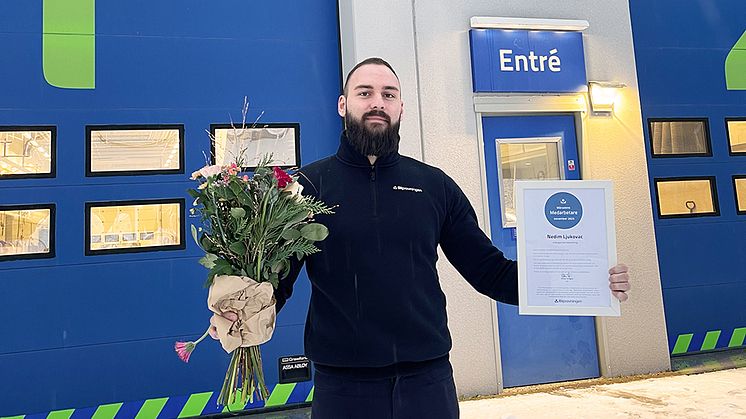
(373, 192)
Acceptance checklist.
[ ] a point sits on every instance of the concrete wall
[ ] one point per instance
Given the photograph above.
(428, 40)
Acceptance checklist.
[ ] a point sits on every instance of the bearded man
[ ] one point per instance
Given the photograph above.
(376, 328)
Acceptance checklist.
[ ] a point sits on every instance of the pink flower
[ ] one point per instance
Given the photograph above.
(282, 178)
(245, 178)
(184, 350)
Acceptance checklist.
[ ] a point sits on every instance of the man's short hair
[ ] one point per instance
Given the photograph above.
(371, 60)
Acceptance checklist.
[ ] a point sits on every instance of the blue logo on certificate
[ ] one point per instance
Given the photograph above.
(563, 210)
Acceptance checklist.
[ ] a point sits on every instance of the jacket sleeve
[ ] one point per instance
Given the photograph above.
(285, 288)
(472, 253)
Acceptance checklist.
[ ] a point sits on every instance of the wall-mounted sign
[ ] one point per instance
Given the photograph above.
(294, 369)
(505, 60)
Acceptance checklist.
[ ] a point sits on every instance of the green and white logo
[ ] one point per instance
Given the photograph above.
(69, 43)
(735, 66)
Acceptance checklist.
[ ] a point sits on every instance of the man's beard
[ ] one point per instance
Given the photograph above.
(369, 142)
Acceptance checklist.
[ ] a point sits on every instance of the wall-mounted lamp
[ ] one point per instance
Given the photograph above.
(603, 95)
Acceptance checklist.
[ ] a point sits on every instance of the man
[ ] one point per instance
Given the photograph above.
(376, 328)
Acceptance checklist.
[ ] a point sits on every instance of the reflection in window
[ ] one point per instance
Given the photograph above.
(26, 231)
(26, 152)
(525, 159)
(682, 137)
(248, 145)
(739, 183)
(116, 149)
(686, 197)
(737, 135)
(134, 226)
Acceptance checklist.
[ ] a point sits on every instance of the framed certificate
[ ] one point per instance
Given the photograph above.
(566, 244)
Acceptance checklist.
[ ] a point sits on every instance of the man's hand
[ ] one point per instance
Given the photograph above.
(619, 281)
(228, 315)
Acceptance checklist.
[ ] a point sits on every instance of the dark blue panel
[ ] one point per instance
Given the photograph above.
(700, 309)
(536, 349)
(680, 50)
(101, 329)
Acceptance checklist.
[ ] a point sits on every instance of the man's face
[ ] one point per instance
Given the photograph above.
(373, 102)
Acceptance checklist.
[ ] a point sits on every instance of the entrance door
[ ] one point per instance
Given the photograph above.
(534, 349)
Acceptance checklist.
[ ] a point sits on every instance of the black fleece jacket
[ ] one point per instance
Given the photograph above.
(375, 295)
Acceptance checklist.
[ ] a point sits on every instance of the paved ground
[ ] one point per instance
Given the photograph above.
(702, 386)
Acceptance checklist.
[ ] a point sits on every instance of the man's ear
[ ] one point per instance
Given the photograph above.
(401, 113)
(342, 106)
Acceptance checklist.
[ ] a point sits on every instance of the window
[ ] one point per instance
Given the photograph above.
(26, 231)
(27, 152)
(525, 159)
(739, 185)
(679, 137)
(134, 226)
(686, 197)
(736, 128)
(114, 150)
(248, 145)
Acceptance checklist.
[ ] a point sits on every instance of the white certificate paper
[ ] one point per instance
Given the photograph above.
(566, 245)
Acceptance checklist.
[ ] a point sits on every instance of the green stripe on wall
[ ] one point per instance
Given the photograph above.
(107, 411)
(235, 407)
(14, 417)
(151, 408)
(682, 344)
(61, 414)
(195, 405)
(738, 337)
(280, 394)
(711, 340)
(310, 395)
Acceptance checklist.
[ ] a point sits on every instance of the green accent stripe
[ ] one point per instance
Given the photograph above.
(151, 408)
(14, 417)
(310, 395)
(235, 407)
(195, 405)
(280, 394)
(69, 61)
(711, 340)
(69, 16)
(682, 344)
(738, 337)
(61, 414)
(735, 66)
(107, 411)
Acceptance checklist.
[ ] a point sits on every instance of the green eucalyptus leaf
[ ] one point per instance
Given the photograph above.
(297, 218)
(278, 266)
(208, 260)
(238, 247)
(238, 213)
(194, 193)
(290, 234)
(314, 232)
(274, 279)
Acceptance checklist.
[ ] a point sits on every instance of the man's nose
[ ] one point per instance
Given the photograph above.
(377, 102)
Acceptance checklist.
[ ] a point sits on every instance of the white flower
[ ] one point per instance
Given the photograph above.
(207, 171)
(295, 189)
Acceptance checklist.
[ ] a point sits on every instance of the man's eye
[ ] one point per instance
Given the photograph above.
(364, 94)
(390, 96)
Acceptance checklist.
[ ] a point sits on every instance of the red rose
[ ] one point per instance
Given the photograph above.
(282, 178)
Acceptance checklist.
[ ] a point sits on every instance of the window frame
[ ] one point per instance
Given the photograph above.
(713, 193)
(89, 205)
(735, 193)
(52, 152)
(88, 155)
(294, 125)
(708, 137)
(52, 230)
(727, 134)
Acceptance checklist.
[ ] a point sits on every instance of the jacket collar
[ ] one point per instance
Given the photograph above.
(348, 155)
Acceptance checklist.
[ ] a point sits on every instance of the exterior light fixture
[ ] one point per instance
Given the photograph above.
(604, 95)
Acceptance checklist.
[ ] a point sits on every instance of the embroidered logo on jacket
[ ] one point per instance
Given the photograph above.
(407, 189)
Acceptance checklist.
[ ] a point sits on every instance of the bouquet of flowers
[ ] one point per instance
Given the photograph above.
(251, 226)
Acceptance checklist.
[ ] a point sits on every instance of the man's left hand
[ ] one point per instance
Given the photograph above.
(619, 281)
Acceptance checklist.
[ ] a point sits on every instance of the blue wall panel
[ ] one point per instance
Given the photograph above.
(680, 50)
(84, 331)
